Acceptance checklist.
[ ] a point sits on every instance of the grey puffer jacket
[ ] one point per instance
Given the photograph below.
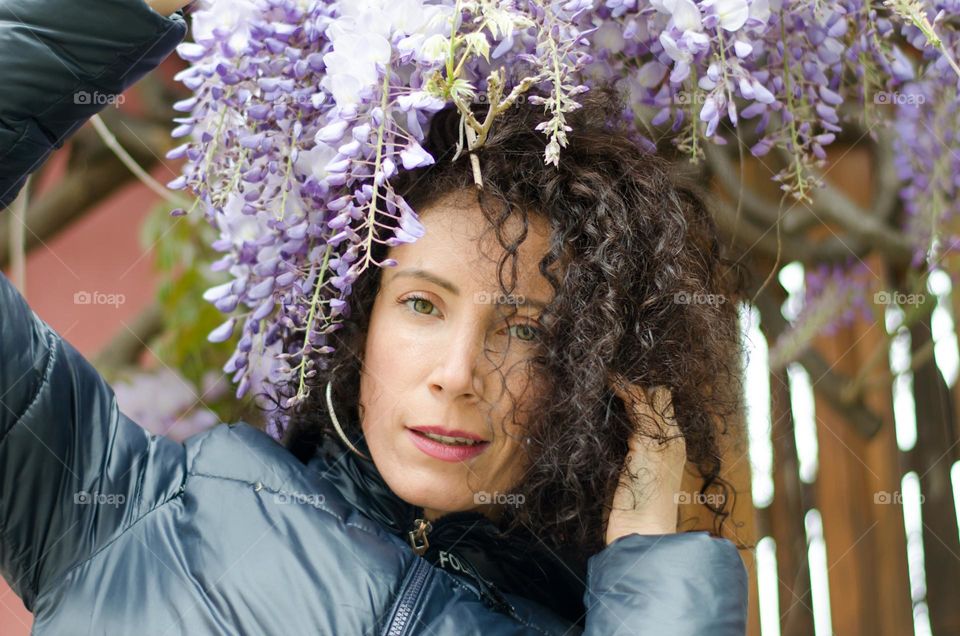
(107, 529)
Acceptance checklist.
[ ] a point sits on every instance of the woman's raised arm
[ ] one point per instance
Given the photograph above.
(650, 579)
(74, 471)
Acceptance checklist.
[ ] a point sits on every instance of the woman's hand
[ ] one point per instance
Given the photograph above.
(166, 7)
(648, 503)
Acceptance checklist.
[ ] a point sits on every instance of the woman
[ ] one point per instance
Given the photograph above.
(484, 454)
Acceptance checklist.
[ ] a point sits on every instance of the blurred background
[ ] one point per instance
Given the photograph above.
(847, 466)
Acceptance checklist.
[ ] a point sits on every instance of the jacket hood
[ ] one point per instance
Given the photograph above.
(467, 544)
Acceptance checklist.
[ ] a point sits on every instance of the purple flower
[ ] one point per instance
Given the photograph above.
(303, 112)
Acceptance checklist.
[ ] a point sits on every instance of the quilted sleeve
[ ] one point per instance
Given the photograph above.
(683, 584)
(74, 470)
(63, 61)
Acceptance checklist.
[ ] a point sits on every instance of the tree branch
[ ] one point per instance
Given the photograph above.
(762, 211)
(827, 382)
(124, 349)
(833, 205)
(94, 175)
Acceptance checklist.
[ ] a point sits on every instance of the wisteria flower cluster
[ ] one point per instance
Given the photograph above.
(927, 115)
(303, 111)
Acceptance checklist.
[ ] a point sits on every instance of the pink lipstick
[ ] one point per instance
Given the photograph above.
(446, 452)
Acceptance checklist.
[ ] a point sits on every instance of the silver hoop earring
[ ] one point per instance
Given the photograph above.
(336, 422)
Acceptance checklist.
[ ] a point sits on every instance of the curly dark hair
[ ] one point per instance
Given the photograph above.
(634, 258)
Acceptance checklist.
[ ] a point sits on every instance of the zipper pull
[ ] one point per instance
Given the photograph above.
(419, 534)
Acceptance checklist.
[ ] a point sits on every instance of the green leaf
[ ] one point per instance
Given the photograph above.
(478, 42)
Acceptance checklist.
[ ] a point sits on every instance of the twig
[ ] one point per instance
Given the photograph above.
(111, 142)
(124, 349)
(98, 175)
(760, 210)
(750, 236)
(834, 205)
(474, 159)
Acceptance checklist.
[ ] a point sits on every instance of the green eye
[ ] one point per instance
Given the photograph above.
(419, 304)
(526, 332)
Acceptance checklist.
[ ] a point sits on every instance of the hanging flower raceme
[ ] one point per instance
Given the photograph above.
(304, 111)
(926, 141)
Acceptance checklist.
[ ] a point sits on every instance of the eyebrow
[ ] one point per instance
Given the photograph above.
(423, 274)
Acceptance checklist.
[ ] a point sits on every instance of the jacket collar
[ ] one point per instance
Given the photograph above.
(465, 543)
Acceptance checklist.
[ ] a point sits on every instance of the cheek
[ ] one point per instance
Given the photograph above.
(387, 365)
(523, 384)
(388, 352)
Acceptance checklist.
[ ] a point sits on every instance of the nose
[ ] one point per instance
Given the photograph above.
(460, 357)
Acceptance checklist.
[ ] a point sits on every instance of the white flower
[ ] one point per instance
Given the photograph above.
(389, 17)
(237, 227)
(651, 74)
(312, 162)
(684, 14)
(732, 13)
(414, 156)
(362, 39)
(609, 36)
(760, 10)
(225, 16)
(352, 64)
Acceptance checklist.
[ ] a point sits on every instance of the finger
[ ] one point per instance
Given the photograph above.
(662, 401)
(630, 393)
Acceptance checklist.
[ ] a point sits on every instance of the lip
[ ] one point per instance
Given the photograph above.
(449, 432)
(444, 452)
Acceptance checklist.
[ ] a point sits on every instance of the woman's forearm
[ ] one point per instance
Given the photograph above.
(166, 7)
(646, 500)
(63, 61)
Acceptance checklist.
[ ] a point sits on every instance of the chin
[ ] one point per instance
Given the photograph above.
(427, 495)
(420, 483)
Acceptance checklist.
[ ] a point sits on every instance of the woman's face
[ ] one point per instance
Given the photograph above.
(445, 348)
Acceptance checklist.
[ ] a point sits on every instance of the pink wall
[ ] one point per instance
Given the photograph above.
(99, 253)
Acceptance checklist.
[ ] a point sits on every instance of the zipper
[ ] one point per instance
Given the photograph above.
(400, 622)
(403, 610)
(418, 536)
(489, 594)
